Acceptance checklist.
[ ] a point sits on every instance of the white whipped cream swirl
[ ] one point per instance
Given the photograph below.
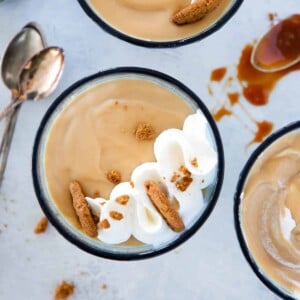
(173, 149)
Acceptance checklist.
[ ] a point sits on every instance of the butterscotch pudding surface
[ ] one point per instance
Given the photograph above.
(153, 20)
(95, 135)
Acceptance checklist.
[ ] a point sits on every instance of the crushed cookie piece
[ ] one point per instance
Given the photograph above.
(103, 286)
(114, 176)
(82, 210)
(123, 200)
(116, 215)
(96, 219)
(194, 162)
(144, 132)
(116, 103)
(184, 183)
(64, 290)
(164, 206)
(131, 183)
(185, 171)
(195, 11)
(104, 224)
(174, 177)
(41, 226)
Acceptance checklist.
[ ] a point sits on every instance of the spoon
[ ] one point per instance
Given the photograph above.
(21, 48)
(39, 77)
(37, 80)
(279, 48)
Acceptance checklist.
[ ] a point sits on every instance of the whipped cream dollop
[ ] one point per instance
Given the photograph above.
(178, 153)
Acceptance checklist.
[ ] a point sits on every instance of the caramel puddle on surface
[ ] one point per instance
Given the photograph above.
(247, 84)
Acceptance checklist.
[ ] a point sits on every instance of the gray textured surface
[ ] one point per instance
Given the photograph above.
(210, 265)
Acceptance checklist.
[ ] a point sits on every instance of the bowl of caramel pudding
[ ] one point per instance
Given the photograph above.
(267, 211)
(160, 23)
(127, 163)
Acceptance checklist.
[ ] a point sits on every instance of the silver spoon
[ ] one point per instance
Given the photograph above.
(21, 48)
(38, 79)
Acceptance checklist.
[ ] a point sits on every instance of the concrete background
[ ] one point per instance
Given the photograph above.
(210, 265)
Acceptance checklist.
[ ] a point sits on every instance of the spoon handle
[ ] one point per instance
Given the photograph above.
(9, 108)
(8, 135)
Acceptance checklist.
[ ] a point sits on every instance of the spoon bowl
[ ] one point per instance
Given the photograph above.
(22, 47)
(279, 48)
(41, 74)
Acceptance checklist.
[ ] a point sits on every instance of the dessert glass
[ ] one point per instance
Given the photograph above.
(219, 23)
(238, 201)
(94, 246)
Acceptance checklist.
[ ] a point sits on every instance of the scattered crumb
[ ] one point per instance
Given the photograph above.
(116, 103)
(123, 200)
(104, 286)
(194, 162)
(114, 176)
(104, 224)
(144, 132)
(131, 183)
(115, 215)
(5, 225)
(41, 226)
(64, 290)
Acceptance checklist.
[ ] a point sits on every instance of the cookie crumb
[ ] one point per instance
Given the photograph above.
(114, 176)
(184, 182)
(64, 290)
(144, 132)
(131, 183)
(104, 224)
(123, 200)
(96, 219)
(164, 206)
(194, 162)
(103, 286)
(82, 210)
(116, 103)
(174, 177)
(115, 215)
(41, 226)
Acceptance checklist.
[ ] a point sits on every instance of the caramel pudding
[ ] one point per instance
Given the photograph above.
(152, 20)
(270, 212)
(128, 160)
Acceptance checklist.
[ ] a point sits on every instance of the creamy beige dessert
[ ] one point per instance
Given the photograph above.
(129, 158)
(156, 20)
(270, 212)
